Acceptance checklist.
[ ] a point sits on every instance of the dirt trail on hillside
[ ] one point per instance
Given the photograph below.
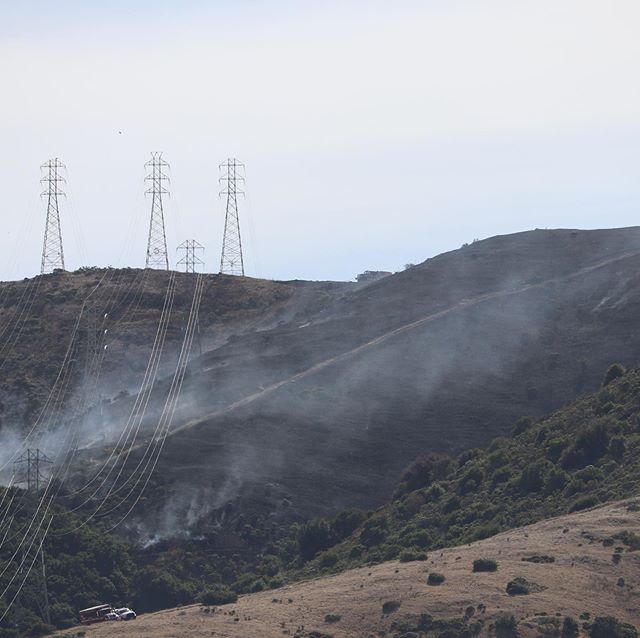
(582, 579)
(462, 305)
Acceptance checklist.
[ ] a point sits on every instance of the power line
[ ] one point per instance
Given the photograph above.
(231, 260)
(190, 261)
(157, 255)
(52, 252)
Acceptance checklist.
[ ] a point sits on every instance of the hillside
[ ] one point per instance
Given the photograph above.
(439, 358)
(120, 309)
(355, 380)
(566, 561)
(583, 454)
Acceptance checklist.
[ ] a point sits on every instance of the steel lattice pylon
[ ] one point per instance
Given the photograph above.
(231, 261)
(157, 255)
(190, 261)
(52, 252)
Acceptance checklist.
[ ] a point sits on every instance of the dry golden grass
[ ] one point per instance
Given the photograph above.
(583, 578)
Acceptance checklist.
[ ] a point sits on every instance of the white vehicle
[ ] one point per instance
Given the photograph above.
(111, 616)
(125, 613)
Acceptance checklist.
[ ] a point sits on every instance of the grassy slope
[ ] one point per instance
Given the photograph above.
(582, 581)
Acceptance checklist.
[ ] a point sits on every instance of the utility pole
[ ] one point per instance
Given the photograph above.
(231, 261)
(190, 261)
(52, 252)
(29, 470)
(157, 255)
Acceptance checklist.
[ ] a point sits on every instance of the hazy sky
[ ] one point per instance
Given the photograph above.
(374, 133)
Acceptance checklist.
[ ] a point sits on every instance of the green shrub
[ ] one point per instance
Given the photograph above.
(614, 372)
(408, 556)
(157, 589)
(570, 628)
(518, 587)
(327, 560)
(435, 578)
(522, 425)
(591, 444)
(374, 531)
(617, 447)
(313, 537)
(584, 503)
(539, 558)
(422, 472)
(390, 606)
(217, 596)
(532, 478)
(609, 627)
(332, 617)
(347, 522)
(485, 565)
(630, 539)
(506, 625)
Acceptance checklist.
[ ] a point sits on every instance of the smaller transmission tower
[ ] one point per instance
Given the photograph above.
(29, 469)
(52, 253)
(232, 179)
(157, 255)
(191, 261)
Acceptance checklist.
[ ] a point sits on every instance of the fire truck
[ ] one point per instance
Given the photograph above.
(99, 613)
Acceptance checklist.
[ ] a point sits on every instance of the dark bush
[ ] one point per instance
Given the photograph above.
(332, 617)
(590, 445)
(522, 425)
(614, 372)
(408, 556)
(157, 589)
(328, 559)
(422, 472)
(470, 480)
(313, 537)
(390, 606)
(374, 532)
(485, 565)
(347, 522)
(630, 539)
(435, 578)
(609, 627)
(532, 478)
(506, 625)
(570, 628)
(616, 447)
(217, 596)
(584, 503)
(539, 558)
(518, 587)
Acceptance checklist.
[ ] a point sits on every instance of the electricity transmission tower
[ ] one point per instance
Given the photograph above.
(29, 469)
(52, 253)
(231, 261)
(190, 261)
(157, 255)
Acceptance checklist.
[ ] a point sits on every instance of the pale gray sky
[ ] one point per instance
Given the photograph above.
(374, 133)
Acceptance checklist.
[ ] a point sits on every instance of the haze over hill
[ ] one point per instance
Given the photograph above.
(355, 380)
